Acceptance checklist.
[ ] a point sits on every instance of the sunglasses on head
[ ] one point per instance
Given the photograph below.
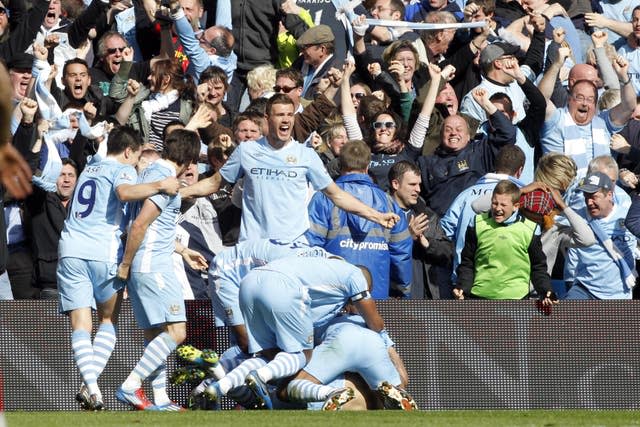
(388, 125)
(283, 89)
(113, 50)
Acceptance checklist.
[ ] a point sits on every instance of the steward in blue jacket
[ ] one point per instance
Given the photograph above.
(385, 252)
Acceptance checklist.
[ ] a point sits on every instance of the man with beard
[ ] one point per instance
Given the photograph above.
(576, 130)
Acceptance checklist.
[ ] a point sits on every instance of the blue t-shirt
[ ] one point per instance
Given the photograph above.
(275, 191)
(94, 224)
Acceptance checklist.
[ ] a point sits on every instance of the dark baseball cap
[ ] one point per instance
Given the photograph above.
(594, 182)
(496, 50)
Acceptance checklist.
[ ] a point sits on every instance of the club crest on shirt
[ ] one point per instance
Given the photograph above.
(291, 160)
(228, 312)
(462, 165)
(174, 309)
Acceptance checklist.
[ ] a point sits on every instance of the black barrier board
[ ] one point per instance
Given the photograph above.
(459, 354)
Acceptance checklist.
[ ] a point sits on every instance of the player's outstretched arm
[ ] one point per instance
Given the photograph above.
(347, 202)
(147, 215)
(204, 187)
(133, 192)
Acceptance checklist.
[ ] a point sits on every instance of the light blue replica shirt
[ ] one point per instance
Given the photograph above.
(593, 266)
(632, 55)
(231, 265)
(276, 187)
(154, 254)
(582, 143)
(95, 223)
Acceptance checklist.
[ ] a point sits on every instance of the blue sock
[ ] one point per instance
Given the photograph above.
(155, 354)
(103, 345)
(83, 356)
(283, 365)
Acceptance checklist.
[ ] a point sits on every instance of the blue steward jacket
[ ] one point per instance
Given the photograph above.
(386, 253)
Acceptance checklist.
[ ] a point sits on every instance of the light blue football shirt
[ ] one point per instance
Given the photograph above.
(154, 254)
(275, 191)
(330, 283)
(94, 224)
(232, 264)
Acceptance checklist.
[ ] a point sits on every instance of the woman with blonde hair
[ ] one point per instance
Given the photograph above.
(260, 82)
(543, 200)
(328, 142)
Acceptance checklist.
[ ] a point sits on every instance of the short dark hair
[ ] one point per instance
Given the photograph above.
(73, 61)
(280, 99)
(504, 98)
(216, 74)
(258, 105)
(398, 170)
(123, 137)
(174, 122)
(291, 74)
(68, 161)
(182, 147)
(355, 155)
(509, 159)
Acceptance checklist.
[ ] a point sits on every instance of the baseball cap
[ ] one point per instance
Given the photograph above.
(537, 201)
(595, 181)
(495, 50)
(21, 61)
(316, 35)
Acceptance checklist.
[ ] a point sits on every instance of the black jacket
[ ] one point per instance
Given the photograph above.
(445, 174)
(255, 29)
(23, 34)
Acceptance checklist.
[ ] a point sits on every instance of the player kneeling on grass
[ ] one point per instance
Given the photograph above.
(349, 346)
(90, 248)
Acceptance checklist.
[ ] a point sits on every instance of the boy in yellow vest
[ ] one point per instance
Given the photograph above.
(503, 253)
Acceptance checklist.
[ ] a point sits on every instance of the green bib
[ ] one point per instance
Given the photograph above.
(502, 264)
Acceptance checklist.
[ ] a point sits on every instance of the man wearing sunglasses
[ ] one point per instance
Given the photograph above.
(309, 115)
(211, 47)
(111, 48)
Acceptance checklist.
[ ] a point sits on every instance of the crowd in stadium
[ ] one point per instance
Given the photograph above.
(176, 150)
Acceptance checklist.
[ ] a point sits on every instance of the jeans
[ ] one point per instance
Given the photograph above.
(579, 292)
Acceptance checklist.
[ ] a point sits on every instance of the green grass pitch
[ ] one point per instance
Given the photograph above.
(311, 419)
